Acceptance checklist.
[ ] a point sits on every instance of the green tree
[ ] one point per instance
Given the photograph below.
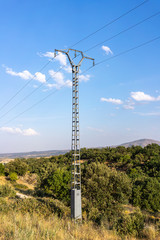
(56, 184)
(104, 190)
(146, 194)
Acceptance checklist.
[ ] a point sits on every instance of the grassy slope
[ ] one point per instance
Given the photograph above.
(30, 227)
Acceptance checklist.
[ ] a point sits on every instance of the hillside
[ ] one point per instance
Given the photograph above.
(141, 142)
(120, 196)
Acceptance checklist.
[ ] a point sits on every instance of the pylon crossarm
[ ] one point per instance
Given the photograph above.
(66, 53)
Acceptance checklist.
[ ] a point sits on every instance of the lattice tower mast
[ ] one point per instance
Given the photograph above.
(76, 208)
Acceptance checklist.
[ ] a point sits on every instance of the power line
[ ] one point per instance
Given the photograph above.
(125, 30)
(31, 93)
(124, 52)
(25, 85)
(116, 19)
(32, 106)
(111, 22)
(108, 59)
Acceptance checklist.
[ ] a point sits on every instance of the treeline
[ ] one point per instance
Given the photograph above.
(111, 179)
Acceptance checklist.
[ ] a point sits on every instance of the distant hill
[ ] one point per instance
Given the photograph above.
(141, 142)
(34, 154)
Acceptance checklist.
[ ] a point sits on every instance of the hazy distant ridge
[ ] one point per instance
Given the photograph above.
(141, 142)
(34, 154)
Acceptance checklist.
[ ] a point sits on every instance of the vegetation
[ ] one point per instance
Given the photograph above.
(120, 193)
(13, 176)
(1, 169)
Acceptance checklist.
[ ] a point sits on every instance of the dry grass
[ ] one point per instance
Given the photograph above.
(3, 180)
(16, 226)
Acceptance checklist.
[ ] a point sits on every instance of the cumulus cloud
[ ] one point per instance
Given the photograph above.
(48, 54)
(141, 96)
(24, 132)
(58, 77)
(84, 78)
(112, 100)
(107, 50)
(60, 57)
(26, 75)
(40, 77)
(68, 69)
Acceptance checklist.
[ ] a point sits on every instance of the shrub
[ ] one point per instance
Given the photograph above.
(56, 184)
(146, 194)
(7, 191)
(13, 176)
(20, 186)
(1, 169)
(17, 166)
(149, 232)
(104, 190)
(131, 224)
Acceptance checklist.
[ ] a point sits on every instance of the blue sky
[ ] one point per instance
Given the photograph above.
(119, 99)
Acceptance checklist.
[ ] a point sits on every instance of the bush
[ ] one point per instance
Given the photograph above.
(1, 169)
(20, 186)
(17, 166)
(146, 194)
(56, 184)
(104, 190)
(13, 176)
(131, 224)
(7, 191)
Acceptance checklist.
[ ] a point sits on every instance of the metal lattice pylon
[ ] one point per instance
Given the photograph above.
(76, 208)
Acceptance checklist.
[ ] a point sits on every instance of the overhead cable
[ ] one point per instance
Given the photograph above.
(105, 60)
(111, 22)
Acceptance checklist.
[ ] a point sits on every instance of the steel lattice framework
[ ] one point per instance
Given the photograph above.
(76, 209)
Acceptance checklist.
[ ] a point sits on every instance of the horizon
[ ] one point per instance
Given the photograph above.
(119, 99)
(38, 151)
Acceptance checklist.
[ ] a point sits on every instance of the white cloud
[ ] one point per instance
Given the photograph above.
(24, 132)
(57, 76)
(59, 80)
(60, 57)
(68, 69)
(84, 78)
(26, 75)
(48, 54)
(40, 77)
(141, 96)
(130, 107)
(129, 104)
(68, 83)
(107, 50)
(112, 100)
(29, 132)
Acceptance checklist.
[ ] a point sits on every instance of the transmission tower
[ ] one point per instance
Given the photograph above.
(76, 208)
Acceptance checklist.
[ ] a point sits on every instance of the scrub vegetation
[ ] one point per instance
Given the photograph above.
(120, 196)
